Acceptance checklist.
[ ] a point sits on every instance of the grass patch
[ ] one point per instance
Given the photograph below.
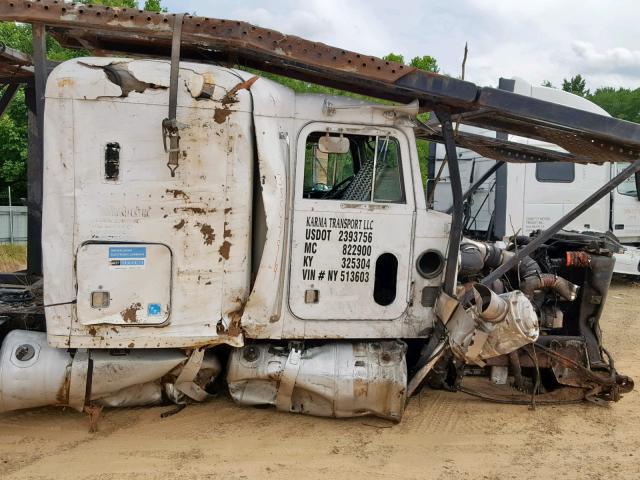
(13, 258)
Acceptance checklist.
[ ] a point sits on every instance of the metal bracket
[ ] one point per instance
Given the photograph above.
(288, 378)
(170, 126)
(185, 381)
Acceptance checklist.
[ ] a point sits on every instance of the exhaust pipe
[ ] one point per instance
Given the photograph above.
(564, 288)
(489, 306)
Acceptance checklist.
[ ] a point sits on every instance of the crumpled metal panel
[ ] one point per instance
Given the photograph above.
(333, 380)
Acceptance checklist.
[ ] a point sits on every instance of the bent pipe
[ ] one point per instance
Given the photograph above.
(475, 256)
(564, 288)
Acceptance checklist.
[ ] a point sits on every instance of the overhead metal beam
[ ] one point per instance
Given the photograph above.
(595, 138)
(500, 149)
(150, 33)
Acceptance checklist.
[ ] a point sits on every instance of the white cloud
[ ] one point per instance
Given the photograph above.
(539, 40)
(618, 60)
(351, 25)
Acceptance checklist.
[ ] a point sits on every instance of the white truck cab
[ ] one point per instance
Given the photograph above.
(296, 216)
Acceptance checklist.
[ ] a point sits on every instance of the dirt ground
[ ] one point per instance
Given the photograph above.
(442, 436)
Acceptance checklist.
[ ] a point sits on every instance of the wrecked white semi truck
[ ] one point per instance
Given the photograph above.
(203, 226)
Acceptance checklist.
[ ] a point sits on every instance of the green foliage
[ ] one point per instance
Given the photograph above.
(154, 6)
(16, 35)
(13, 147)
(426, 62)
(547, 83)
(423, 157)
(621, 103)
(113, 3)
(429, 64)
(576, 85)
(394, 57)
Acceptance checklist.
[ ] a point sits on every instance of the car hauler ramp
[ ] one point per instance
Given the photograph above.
(590, 137)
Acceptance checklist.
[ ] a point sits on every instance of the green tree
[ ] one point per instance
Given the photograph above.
(426, 62)
(13, 124)
(622, 103)
(394, 57)
(13, 148)
(113, 3)
(154, 6)
(547, 83)
(429, 64)
(576, 85)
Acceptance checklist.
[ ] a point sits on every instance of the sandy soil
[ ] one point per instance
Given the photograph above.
(442, 436)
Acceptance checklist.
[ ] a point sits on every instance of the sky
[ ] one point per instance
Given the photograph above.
(536, 40)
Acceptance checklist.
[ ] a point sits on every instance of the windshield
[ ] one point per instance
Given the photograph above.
(628, 187)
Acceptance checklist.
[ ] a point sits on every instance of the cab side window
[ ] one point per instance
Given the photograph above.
(361, 168)
(559, 172)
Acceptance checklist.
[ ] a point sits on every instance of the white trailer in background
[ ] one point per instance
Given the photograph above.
(521, 198)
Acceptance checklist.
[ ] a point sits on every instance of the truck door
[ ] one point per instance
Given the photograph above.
(625, 215)
(353, 224)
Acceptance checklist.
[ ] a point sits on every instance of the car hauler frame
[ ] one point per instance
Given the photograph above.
(587, 137)
(528, 198)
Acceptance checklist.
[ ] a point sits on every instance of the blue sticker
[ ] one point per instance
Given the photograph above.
(154, 309)
(127, 252)
(131, 262)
